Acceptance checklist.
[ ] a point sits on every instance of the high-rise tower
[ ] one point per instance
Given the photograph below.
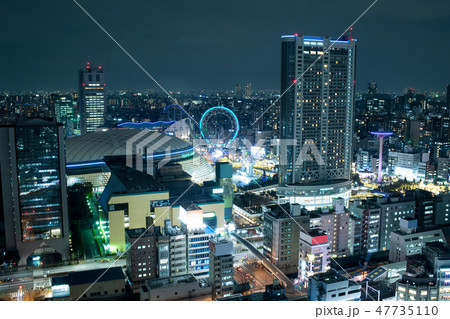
(34, 191)
(316, 119)
(91, 99)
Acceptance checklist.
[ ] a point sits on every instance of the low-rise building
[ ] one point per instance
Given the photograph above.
(335, 223)
(408, 241)
(273, 292)
(97, 284)
(314, 256)
(221, 268)
(379, 216)
(417, 283)
(282, 226)
(182, 287)
(330, 286)
(427, 275)
(198, 237)
(141, 255)
(129, 199)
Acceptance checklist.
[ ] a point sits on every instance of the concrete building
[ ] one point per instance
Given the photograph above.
(335, 223)
(365, 222)
(221, 268)
(425, 207)
(408, 241)
(64, 113)
(442, 209)
(182, 194)
(438, 256)
(379, 216)
(98, 284)
(408, 165)
(363, 163)
(317, 111)
(417, 290)
(181, 287)
(177, 244)
(426, 276)
(155, 253)
(330, 286)
(417, 283)
(282, 234)
(273, 292)
(354, 235)
(141, 255)
(33, 206)
(129, 199)
(314, 254)
(198, 237)
(91, 99)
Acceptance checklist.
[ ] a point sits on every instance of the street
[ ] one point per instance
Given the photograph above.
(291, 289)
(25, 278)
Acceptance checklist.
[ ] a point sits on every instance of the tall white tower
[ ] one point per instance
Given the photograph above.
(316, 116)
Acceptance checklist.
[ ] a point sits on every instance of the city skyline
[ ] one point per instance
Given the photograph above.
(233, 167)
(213, 46)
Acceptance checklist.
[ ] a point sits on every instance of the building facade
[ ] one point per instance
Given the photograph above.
(330, 286)
(221, 268)
(314, 256)
(141, 256)
(408, 241)
(91, 98)
(130, 198)
(34, 191)
(282, 235)
(317, 82)
(335, 223)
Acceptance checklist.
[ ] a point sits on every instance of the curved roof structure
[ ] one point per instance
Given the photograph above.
(95, 146)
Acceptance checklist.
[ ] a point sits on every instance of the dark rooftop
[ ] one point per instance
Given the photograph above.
(89, 276)
(329, 277)
(171, 281)
(135, 181)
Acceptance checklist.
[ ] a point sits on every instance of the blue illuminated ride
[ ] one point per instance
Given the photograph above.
(219, 126)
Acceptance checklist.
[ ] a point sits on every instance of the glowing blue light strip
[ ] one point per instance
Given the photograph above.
(234, 116)
(143, 123)
(339, 41)
(170, 154)
(288, 36)
(313, 38)
(149, 156)
(85, 164)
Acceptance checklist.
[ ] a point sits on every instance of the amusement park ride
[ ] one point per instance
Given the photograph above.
(219, 126)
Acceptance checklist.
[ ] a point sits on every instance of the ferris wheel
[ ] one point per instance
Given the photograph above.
(219, 126)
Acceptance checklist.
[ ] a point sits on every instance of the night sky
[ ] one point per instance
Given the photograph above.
(197, 45)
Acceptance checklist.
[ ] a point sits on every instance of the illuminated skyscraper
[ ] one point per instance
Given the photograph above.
(34, 194)
(91, 100)
(316, 119)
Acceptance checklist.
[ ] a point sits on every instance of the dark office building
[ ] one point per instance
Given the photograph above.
(34, 194)
(91, 100)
